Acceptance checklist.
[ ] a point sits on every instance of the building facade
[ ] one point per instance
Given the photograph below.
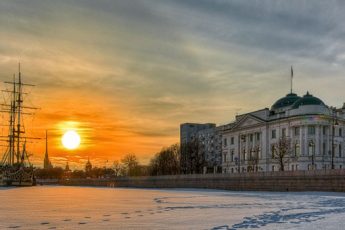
(296, 133)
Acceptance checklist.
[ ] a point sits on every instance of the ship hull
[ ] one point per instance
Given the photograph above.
(17, 177)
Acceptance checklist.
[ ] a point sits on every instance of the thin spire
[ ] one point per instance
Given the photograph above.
(47, 142)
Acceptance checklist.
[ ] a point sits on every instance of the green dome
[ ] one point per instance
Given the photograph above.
(288, 100)
(307, 99)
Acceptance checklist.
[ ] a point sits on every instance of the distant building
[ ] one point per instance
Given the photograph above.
(88, 166)
(200, 148)
(46, 163)
(67, 169)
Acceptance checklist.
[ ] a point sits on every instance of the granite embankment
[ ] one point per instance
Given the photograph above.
(321, 180)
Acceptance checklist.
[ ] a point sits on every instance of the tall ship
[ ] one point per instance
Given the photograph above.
(15, 166)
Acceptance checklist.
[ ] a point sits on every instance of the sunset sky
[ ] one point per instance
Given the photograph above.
(125, 74)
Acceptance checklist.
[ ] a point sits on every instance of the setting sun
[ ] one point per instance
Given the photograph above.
(71, 140)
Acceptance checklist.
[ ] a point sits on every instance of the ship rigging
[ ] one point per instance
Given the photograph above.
(15, 166)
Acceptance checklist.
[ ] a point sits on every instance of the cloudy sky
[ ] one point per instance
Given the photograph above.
(125, 74)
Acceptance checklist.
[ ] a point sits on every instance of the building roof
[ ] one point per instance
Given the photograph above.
(288, 100)
(307, 99)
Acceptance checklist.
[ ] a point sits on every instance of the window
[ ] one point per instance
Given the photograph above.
(243, 138)
(251, 137)
(258, 136)
(258, 153)
(324, 148)
(311, 130)
(297, 150)
(251, 154)
(224, 160)
(274, 134)
(232, 155)
(311, 148)
(340, 132)
(292, 167)
(272, 168)
(324, 130)
(339, 150)
(232, 140)
(273, 150)
(232, 170)
(296, 131)
(284, 132)
(225, 142)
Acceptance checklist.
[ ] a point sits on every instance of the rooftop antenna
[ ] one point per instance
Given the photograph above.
(291, 79)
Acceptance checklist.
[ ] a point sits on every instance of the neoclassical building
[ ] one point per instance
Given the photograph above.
(309, 133)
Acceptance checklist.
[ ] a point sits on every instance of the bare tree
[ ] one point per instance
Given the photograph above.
(281, 152)
(253, 160)
(131, 164)
(166, 162)
(118, 168)
(192, 159)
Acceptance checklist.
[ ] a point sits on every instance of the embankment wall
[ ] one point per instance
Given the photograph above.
(321, 180)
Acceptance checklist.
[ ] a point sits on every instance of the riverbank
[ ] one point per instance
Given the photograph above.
(320, 180)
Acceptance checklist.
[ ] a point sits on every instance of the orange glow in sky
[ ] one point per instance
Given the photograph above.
(125, 75)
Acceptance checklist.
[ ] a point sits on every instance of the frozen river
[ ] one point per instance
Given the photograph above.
(55, 207)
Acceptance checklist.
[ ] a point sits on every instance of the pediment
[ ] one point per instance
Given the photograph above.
(248, 121)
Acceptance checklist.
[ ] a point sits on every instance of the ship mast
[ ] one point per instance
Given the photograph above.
(19, 103)
(13, 155)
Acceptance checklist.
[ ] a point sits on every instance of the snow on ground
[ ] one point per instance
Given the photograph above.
(58, 207)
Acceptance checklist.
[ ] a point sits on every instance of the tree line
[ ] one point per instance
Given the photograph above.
(165, 162)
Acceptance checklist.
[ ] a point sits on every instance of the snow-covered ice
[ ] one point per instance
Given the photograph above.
(58, 207)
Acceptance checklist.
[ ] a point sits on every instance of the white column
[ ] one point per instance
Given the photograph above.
(317, 140)
(301, 140)
(305, 144)
(321, 140)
